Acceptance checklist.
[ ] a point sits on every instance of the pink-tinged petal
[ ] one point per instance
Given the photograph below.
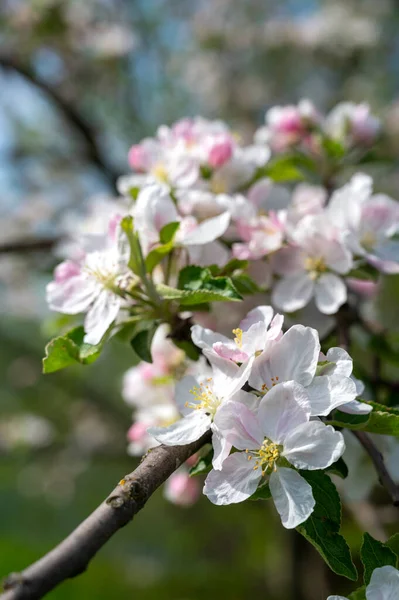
(327, 392)
(293, 292)
(337, 256)
(205, 338)
(207, 231)
(330, 293)
(65, 271)
(185, 431)
(239, 426)
(295, 356)
(368, 289)
(292, 496)
(100, 316)
(288, 261)
(181, 489)
(221, 448)
(227, 377)
(72, 296)
(236, 481)
(356, 408)
(230, 352)
(384, 584)
(285, 407)
(313, 445)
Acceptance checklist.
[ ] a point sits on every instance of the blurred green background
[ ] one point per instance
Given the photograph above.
(79, 83)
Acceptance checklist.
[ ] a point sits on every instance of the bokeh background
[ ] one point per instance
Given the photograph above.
(79, 83)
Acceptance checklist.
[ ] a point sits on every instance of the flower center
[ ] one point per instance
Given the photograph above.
(368, 240)
(274, 381)
(315, 266)
(205, 398)
(238, 339)
(218, 186)
(266, 457)
(160, 172)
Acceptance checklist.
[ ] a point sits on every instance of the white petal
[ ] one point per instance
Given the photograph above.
(295, 356)
(262, 314)
(282, 409)
(327, 392)
(236, 482)
(292, 496)
(356, 408)
(185, 431)
(239, 426)
(183, 395)
(313, 446)
(221, 448)
(208, 231)
(100, 316)
(292, 293)
(342, 360)
(337, 598)
(73, 295)
(330, 293)
(227, 377)
(384, 584)
(205, 338)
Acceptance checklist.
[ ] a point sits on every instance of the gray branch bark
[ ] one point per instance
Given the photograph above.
(72, 556)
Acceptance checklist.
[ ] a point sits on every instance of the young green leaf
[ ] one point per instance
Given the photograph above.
(393, 544)
(383, 420)
(203, 464)
(168, 232)
(322, 527)
(141, 341)
(375, 554)
(339, 468)
(359, 594)
(69, 349)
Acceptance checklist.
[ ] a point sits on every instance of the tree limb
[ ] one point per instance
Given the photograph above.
(72, 556)
(69, 112)
(23, 246)
(379, 464)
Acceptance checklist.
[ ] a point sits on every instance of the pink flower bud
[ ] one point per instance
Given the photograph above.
(65, 271)
(137, 432)
(220, 152)
(364, 127)
(137, 158)
(181, 489)
(367, 289)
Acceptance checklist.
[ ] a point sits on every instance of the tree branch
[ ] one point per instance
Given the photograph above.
(69, 112)
(379, 464)
(28, 245)
(72, 556)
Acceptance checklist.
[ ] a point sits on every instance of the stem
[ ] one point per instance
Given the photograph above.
(72, 556)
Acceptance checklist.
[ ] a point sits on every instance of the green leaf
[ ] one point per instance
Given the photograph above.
(375, 554)
(141, 341)
(168, 232)
(136, 259)
(322, 527)
(333, 148)
(192, 277)
(69, 349)
(283, 169)
(383, 420)
(339, 468)
(155, 256)
(244, 284)
(359, 594)
(262, 493)
(393, 544)
(203, 464)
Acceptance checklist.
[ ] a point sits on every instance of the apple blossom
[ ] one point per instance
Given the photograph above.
(281, 429)
(353, 124)
(312, 266)
(384, 585)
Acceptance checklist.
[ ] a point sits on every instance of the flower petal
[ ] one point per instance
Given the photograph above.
(239, 426)
(183, 394)
(292, 293)
(330, 293)
(292, 496)
(236, 482)
(356, 408)
(384, 584)
(327, 392)
(221, 448)
(208, 231)
(100, 316)
(73, 295)
(262, 314)
(313, 445)
(185, 431)
(205, 338)
(295, 356)
(285, 407)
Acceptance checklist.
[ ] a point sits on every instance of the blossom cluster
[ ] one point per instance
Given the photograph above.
(200, 197)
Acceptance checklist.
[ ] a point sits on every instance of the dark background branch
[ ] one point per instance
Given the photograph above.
(69, 113)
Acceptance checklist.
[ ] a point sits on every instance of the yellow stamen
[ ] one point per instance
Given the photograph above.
(160, 172)
(238, 339)
(266, 457)
(315, 266)
(206, 399)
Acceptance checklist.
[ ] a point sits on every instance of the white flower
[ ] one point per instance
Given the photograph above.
(384, 585)
(311, 267)
(295, 357)
(368, 223)
(94, 287)
(281, 429)
(255, 331)
(199, 399)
